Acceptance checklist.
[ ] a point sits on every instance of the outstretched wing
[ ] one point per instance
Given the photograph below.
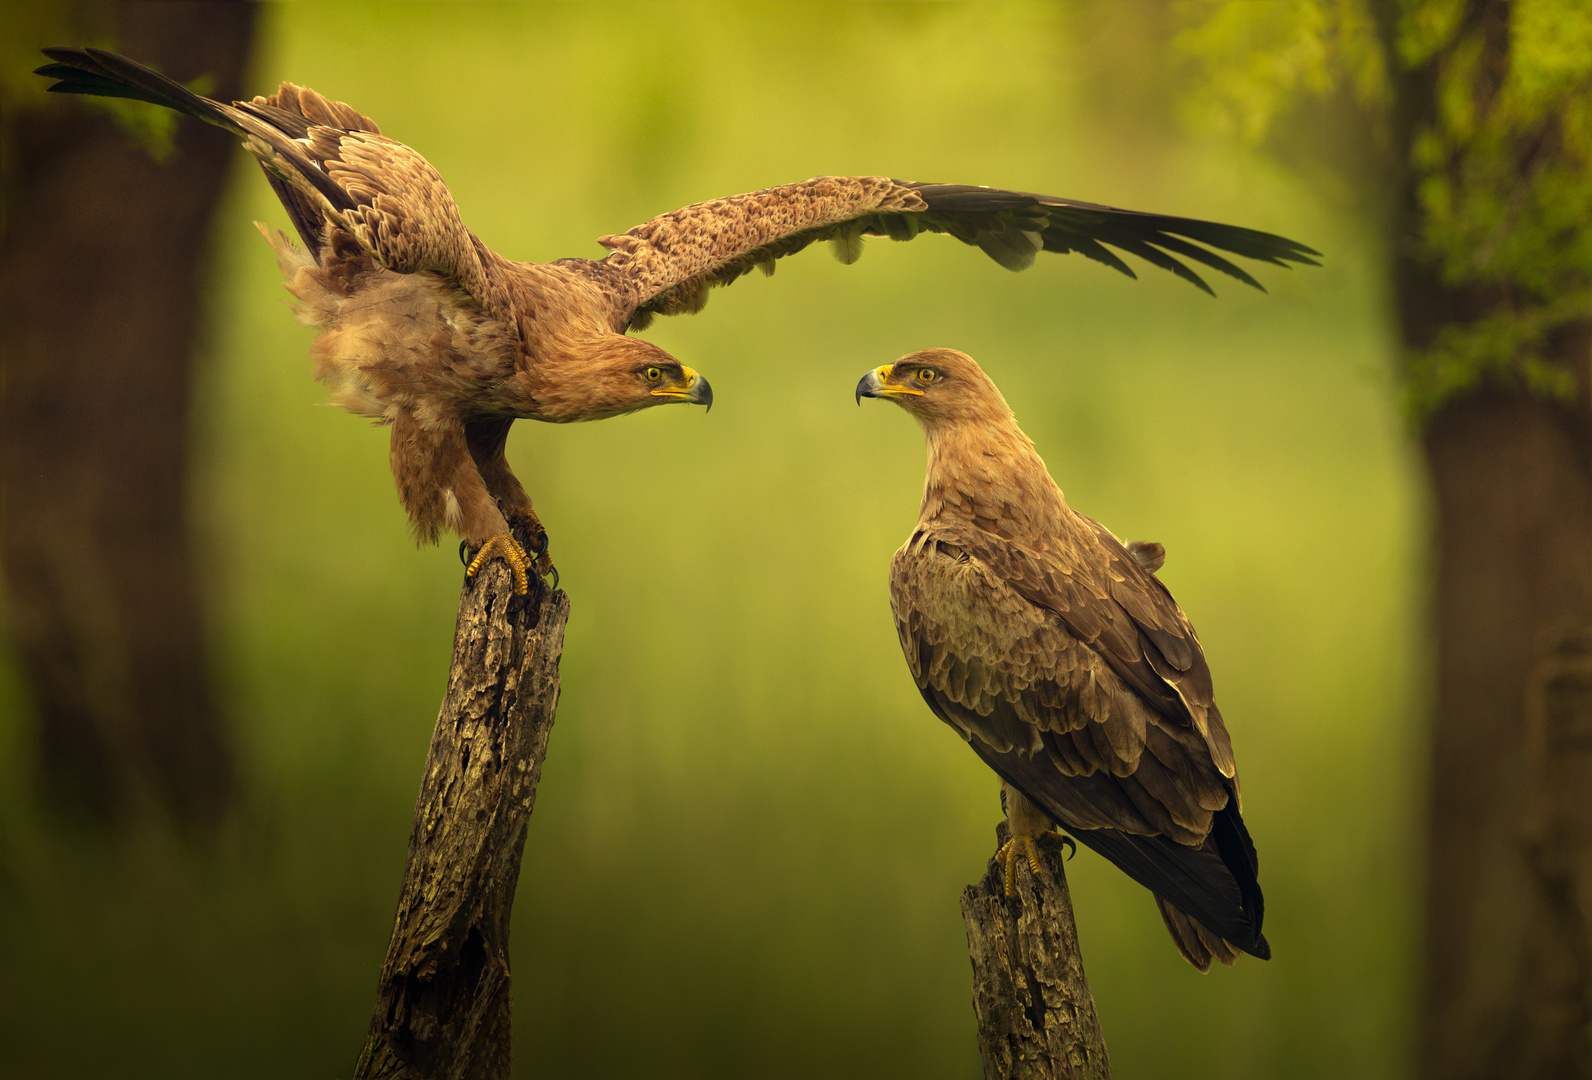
(668, 264)
(327, 163)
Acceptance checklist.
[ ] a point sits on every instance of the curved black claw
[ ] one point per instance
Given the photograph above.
(538, 552)
(1072, 846)
(541, 553)
(540, 543)
(464, 552)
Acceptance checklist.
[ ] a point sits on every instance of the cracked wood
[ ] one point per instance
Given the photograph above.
(1036, 1016)
(443, 1002)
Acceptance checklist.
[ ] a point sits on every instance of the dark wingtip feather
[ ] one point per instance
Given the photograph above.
(1209, 258)
(99, 73)
(1156, 257)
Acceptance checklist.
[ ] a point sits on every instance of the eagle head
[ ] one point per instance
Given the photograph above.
(939, 387)
(615, 375)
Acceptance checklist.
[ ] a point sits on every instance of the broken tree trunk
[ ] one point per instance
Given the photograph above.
(443, 1005)
(1036, 1016)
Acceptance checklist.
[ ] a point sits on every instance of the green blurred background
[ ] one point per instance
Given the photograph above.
(751, 835)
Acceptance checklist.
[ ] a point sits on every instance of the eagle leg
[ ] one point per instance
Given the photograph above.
(528, 529)
(1026, 822)
(1017, 845)
(487, 440)
(505, 547)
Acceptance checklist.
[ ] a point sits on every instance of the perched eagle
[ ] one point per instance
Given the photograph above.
(425, 328)
(1053, 649)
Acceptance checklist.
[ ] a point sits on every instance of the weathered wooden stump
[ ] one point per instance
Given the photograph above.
(443, 1003)
(1036, 1016)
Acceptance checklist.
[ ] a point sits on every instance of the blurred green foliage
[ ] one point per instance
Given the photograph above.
(1501, 172)
(751, 835)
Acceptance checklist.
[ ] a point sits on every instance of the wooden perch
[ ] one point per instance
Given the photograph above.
(1036, 1016)
(443, 1005)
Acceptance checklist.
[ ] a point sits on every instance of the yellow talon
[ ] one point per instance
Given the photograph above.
(505, 547)
(1017, 845)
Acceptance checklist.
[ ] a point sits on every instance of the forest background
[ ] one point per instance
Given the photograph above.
(750, 834)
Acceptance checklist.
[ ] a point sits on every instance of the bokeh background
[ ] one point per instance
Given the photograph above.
(750, 835)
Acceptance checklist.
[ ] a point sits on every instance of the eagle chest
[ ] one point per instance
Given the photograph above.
(400, 342)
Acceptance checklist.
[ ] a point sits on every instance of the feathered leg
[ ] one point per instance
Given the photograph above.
(487, 440)
(441, 488)
(1025, 821)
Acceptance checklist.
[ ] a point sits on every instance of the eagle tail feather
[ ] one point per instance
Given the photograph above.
(1212, 886)
(1215, 885)
(1198, 945)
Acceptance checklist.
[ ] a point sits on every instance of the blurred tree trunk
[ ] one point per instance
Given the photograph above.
(1509, 862)
(1477, 116)
(100, 301)
(1509, 871)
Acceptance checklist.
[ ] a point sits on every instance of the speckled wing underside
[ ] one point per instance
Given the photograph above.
(667, 265)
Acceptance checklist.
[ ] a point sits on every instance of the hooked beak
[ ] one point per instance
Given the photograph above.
(877, 384)
(695, 392)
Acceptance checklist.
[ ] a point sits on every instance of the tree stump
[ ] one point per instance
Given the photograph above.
(443, 1004)
(1036, 1016)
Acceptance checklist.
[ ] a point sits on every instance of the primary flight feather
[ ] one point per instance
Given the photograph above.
(425, 328)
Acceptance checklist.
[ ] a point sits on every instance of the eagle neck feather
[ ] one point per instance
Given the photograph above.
(986, 473)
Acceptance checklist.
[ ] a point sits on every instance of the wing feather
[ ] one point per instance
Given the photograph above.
(666, 265)
(327, 162)
(1074, 674)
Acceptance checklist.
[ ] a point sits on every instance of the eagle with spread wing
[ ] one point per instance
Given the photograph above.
(1053, 649)
(426, 329)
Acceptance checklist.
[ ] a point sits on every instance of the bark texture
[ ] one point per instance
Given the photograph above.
(1508, 980)
(100, 297)
(1509, 887)
(443, 1002)
(1036, 1016)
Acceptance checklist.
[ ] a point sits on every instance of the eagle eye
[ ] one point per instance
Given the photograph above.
(654, 374)
(927, 375)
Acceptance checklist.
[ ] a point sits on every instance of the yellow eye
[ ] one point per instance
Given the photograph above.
(654, 374)
(927, 375)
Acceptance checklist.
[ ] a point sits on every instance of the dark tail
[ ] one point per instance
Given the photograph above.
(1213, 888)
(1214, 885)
(105, 74)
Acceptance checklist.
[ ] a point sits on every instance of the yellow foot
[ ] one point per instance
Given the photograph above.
(505, 547)
(527, 521)
(1017, 845)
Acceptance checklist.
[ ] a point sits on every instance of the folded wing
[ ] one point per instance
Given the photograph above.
(1077, 679)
